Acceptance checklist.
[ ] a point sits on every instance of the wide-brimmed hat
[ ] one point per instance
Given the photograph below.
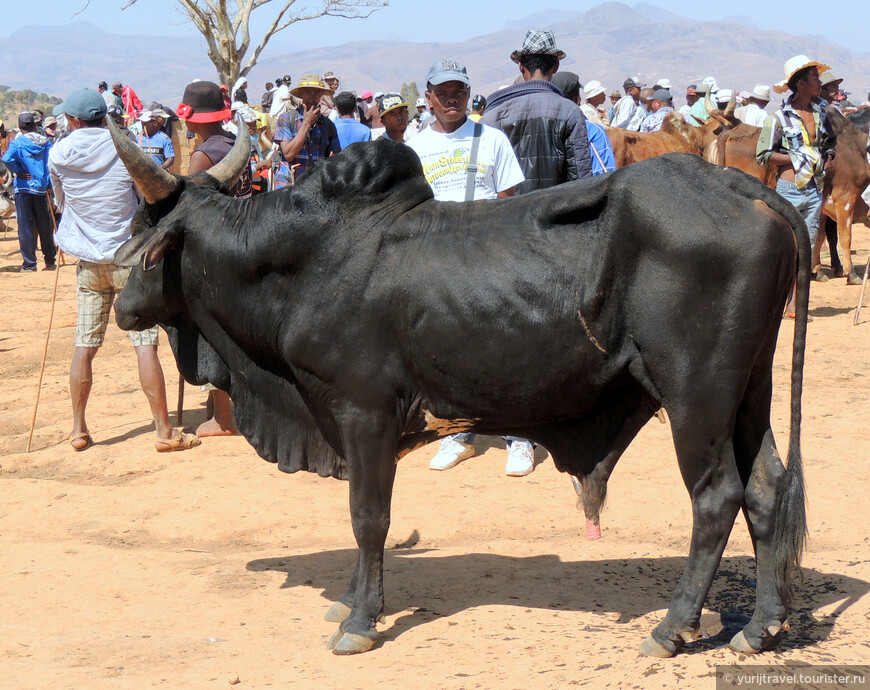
(664, 83)
(592, 88)
(203, 102)
(795, 65)
(616, 93)
(828, 77)
(538, 43)
(390, 102)
(761, 92)
(311, 81)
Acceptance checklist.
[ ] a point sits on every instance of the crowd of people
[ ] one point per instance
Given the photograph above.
(543, 130)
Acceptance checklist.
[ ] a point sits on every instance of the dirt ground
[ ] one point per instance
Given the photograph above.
(125, 568)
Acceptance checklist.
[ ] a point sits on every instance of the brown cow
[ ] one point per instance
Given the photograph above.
(736, 149)
(847, 177)
(675, 136)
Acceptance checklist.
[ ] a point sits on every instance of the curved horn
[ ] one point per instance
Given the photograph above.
(228, 170)
(707, 104)
(729, 109)
(155, 182)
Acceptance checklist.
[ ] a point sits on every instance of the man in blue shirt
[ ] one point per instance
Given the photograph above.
(153, 140)
(27, 157)
(350, 131)
(304, 136)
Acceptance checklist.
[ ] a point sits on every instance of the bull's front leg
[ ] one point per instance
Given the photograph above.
(371, 465)
(844, 231)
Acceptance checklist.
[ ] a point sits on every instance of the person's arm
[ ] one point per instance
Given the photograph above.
(198, 162)
(334, 145)
(168, 154)
(291, 148)
(577, 151)
(770, 143)
(56, 186)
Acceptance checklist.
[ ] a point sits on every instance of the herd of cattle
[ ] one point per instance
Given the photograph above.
(724, 140)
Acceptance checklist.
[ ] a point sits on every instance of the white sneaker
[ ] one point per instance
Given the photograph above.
(451, 453)
(520, 459)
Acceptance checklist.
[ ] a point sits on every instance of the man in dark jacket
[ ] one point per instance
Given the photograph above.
(547, 132)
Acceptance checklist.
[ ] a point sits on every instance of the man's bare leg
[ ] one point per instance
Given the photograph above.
(222, 423)
(81, 378)
(154, 387)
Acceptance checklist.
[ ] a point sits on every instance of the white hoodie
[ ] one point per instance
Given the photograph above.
(95, 193)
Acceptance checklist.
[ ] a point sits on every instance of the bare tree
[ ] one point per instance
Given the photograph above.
(227, 30)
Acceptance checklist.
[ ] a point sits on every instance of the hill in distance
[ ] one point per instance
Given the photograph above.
(608, 43)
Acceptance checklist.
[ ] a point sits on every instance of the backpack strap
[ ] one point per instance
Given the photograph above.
(472, 166)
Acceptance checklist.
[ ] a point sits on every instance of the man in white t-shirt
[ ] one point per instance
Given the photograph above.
(445, 147)
(445, 151)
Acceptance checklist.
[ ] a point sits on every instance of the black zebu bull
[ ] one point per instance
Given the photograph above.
(567, 316)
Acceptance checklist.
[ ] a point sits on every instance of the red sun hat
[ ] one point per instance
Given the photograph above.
(203, 102)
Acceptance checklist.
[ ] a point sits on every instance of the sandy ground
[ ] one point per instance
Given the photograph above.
(125, 568)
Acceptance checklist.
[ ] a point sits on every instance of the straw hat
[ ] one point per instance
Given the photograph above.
(310, 81)
(795, 65)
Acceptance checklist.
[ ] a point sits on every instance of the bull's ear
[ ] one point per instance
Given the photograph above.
(154, 253)
(147, 247)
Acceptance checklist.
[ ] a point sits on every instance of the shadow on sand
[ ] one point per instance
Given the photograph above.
(434, 586)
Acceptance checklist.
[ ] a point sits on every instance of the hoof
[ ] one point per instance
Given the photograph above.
(352, 644)
(593, 530)
(337, 613)
(853, 279)
(333, 639)
(652, 647)
(739, 643)
(690, 635)
(839, 272)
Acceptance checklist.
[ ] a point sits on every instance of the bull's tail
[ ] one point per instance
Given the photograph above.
(791, 519)
(790, 531)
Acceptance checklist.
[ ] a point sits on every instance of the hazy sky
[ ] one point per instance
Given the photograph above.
(443, 20)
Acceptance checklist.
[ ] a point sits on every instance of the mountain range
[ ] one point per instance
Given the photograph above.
(608, 43)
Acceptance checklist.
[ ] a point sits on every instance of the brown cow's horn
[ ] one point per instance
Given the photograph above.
(155, 182)
(228, 170)
(707, 104)
(729, 109)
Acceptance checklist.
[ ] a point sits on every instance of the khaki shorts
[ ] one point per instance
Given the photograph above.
(98, 285)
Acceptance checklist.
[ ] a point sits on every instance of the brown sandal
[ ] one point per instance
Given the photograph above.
(81, 441)
(182, 441)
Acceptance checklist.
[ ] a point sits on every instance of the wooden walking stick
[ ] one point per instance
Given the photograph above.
(179, 410)
(863, 287)
(58, 263)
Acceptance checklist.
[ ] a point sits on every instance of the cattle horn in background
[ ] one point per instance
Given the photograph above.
(154, 182)
(708, 103)
(228, 170)
(732, 103)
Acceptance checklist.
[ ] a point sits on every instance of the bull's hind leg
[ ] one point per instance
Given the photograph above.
(371, 470)
(709, 471)
(762, 472)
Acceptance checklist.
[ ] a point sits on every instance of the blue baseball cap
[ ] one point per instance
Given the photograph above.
(447, 70)
(85, 104)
